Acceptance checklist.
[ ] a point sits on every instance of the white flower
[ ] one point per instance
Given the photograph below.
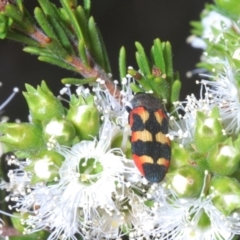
(115, 108)
(91, 180)
(182, 130)
(142, 229)
(194, 218)
(213, 26)
(224, 93)
(107, 104)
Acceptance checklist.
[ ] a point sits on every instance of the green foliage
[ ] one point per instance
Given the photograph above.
(155, 75)
(65, 36)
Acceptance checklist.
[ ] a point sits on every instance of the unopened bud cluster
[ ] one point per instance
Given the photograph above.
(209, 165)
(52, 124)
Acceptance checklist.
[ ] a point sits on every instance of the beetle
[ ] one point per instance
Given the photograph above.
(151, 149)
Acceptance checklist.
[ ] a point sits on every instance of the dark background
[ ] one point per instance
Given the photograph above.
(122, 22)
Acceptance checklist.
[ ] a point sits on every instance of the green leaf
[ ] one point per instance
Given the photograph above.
(96, 47)
(167, 53)
(50, 21)
(135, 88)
(20, 5)
(5, 24)
(157, 54)
(161, 87)
(61, 35)
(43, 22)
(56, 48)
(142, 59)
(47, 7)
(16, 36)
(106, 65)
(19, 18)
(78, 81)
(176, 87)
(122, 63)
(55, 61)
(145, 85)
(38, 51)
(83, 53)
(83, 22)
(72, 18)
(87, 7)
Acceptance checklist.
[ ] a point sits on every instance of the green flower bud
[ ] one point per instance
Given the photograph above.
(180, 156)
(22, 136)
(44, 166)
(121, 140)
(204, 222)
(226, 194)
(208, 131)
(89, 170)
(230, 6)
(84, 116)
(5, 23)
(224, 158)
(61, 129)
(43, 105)
(199, 160)
(187, 181)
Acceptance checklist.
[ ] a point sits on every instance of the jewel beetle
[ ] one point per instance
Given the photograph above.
(151, 149)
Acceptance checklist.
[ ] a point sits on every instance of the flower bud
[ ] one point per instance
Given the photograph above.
(199, 160)
(22, 136)
(61, 129)
(187, 181)
(226, 194)
(84, 116)
(204, 221)
(44, 166)
(180, 156)
(43, 105)
(223, 158)
(121, 140)
(208, 131)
